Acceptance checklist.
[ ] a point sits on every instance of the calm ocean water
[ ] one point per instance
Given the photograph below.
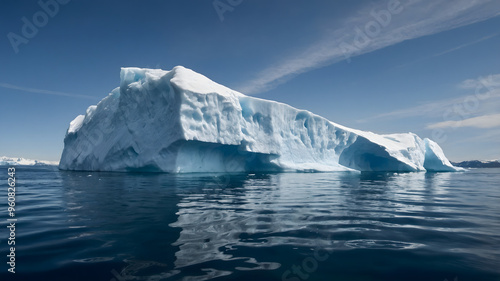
(304, 226)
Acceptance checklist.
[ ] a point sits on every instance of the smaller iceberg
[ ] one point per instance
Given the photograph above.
(15, 161)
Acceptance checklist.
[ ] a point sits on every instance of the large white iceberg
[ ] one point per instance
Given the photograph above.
(180, 121)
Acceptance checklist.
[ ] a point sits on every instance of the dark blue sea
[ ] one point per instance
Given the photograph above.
(288, 226)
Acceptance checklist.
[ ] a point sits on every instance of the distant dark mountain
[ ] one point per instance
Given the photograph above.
(477, 164)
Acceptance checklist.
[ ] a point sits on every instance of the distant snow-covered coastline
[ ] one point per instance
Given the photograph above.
(478, 164)
(4, 160)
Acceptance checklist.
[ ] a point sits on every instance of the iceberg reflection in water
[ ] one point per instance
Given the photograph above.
(377, 226)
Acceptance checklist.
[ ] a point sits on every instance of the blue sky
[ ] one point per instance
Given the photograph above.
(429, 67)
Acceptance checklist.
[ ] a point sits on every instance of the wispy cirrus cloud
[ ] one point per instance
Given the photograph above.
(465, 45)
(490, 81)
(45, 92)
(484, 97)
(484, 122)
(450, 50)
(415, 19)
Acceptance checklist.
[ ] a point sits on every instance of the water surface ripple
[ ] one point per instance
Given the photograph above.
(303, 226)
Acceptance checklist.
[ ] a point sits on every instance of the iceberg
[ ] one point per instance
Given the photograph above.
(180, 121)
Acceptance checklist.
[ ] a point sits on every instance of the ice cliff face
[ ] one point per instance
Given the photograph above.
(180, 121)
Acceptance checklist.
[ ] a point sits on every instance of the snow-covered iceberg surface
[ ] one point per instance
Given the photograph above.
(180, 121)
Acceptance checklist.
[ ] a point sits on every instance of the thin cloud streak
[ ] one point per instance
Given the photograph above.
(45, 92)
(465, 45)
(484, 122)
(418, 18)
(449, 50)
(490, 81)
(487, 136)
(488, 90)
(434, 108)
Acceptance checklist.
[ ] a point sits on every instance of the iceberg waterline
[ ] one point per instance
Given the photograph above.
(180, 121)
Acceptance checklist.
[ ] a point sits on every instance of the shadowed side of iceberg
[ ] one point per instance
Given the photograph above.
(435, 160)
(364, 155)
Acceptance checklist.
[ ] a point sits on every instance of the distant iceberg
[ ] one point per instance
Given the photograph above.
(14, 161)
(180, 121)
